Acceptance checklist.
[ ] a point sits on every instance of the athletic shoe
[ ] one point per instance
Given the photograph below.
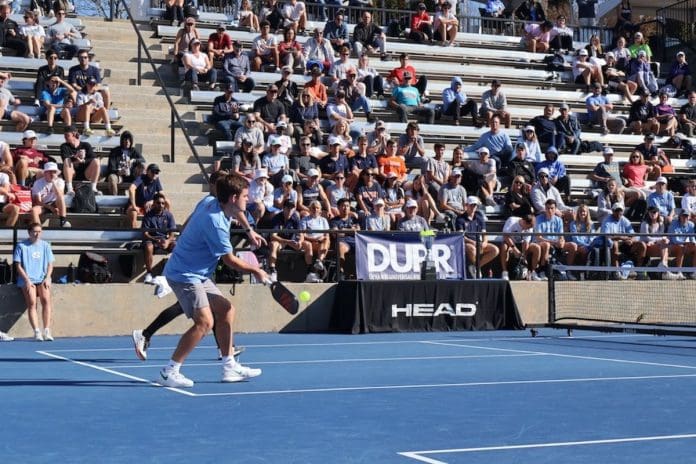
(88, 131)
(471, 269)
(66, 225)
(536, 276)
(318, 266)
(148, 278)
(110, 132)
(47, 335)
(670, 276)
(238, 373)
(505, 275)
(140, 343)
(174, 379)
(542, 276)
(37, 335)
(693, 276)
(5, 338)
(312, 277)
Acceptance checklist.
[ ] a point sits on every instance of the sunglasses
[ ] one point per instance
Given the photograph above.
(542, 175)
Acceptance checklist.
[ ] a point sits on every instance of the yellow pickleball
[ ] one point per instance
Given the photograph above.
(304, 296)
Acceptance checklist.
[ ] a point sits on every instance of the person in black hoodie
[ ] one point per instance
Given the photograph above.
(125, 163)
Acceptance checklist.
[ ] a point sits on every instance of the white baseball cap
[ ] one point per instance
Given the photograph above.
(287, 178)
(411, 203)
(260, 173)
(29, 134)
(472, 200)
(312, 173)
(661, 180)
(51, 166)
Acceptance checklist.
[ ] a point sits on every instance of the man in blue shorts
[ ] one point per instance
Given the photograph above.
(205, 240)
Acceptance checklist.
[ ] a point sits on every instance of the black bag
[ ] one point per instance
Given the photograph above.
(518, 267)
(555, 62)
(5, 272)
(190, 10)
(226, 275)
(93, 268)
(85, 200)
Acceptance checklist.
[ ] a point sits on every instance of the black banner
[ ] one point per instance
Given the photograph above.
(424, 306)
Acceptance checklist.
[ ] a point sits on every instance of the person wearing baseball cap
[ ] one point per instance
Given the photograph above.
(421, 25)
(568, 130)
(142, 193)
(680, 75)
(641, 116)
(236, 69)
(198, 67)
(473, 223)
(286, 223)
(681, 243)
(219, 43)
(606, 170)
(663, 199)
(411, 221)
(47, 193)
(406, 99)
(28, 160)
(288, 91)
(617, 228)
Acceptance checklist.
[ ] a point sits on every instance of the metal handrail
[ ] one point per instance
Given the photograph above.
(679, 19)
(176, 118)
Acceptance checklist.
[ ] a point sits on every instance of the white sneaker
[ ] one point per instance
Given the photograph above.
(312, 277)
(471, 269)
(5, 338)
(505, 275)
(669, 276)
(148, 278)
(238, 373)
(47, 335)
(37, 335)
(570, 276)
(536, 276)
(692, 276)
(542, 276)
(174, 379)
(318, 266)
(680, 276)
(140, 343)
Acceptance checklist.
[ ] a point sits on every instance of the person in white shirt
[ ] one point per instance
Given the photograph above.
(265, 48)
(47, 194)
(295, 15)
(445, 25)
(33, 33)
(260, 195)
(8, 208)
(517, 241)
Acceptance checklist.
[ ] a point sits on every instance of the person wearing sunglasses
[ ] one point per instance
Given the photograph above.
(34, 34)
(59, 37)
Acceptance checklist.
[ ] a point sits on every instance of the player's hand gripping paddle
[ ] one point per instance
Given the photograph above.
(280, 292)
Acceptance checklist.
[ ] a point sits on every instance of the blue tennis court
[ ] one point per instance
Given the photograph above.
(457, 397)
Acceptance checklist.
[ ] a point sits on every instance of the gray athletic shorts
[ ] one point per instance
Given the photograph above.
(193, 296)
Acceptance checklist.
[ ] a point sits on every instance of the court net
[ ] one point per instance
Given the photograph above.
(633, 299)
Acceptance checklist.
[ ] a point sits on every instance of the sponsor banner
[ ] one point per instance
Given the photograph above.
(409, 306)
(385, 256)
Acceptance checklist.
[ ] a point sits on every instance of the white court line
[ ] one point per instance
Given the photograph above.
(417, 455)
(109, 371)
(559, 355)
(329, 361)
(451, 385)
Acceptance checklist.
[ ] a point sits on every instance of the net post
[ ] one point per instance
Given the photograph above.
(551, 296)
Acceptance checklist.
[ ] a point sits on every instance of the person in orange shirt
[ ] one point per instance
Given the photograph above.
(396, 75)
(391, 162)
(316, 89)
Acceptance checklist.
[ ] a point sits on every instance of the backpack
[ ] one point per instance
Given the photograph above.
(518, 267)
(5, 272)
(85, 200)
(93, 268)
(190, 10)
(555, 62)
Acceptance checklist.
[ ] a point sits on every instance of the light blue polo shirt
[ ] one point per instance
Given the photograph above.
(549, 226)
(34, 258)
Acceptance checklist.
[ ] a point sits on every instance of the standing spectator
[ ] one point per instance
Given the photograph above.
(290, 50)
(219, 43)
(158, 228)
(47, 195)
(265, 48)
(368, 35)
(396, 75)
(494, 103)
(406, 100)
(295, 16)
(680, 75)
(421, 25)
(58, 37)
(9, 32)
(599, 112)
(568, 130)
(91, 109)
(125, 163)
(445, 26)
(269, 111)
(479, 251)
(33, 259)
(28, 161)
(455, 103)
(687, 115)
(641, 117)
(538, 36)
(45, 72)
(9, 209)
(33, 33)
(79, 160)
(20, 119)
(225, 115)
(58, 99)
(318, 53)
(198, 67)
(141, 193)
(336, 31)
(236, 69)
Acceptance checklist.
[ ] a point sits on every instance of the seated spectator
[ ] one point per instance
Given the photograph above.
(639, 72)
(33, 33)
(261, 197)
(336, 31)
(247, 17)
(10, 33)
(549, 227)
(344, 222)
(20, 119)
(495, 8)
(616, 80)
(285, 192)
(269, 111)
(265, 48)
(91, 109)
(363, 159)
(236, 69)
(80, 74)
(484, 173)
(517, 241)
(174, 11)
(455, 103)
(479, 251)
(656, 244)
(287, 236)
(528, 138)
(452, 197)
(688, 201)
(394, 197)
(640, 44)
(530, 10)
(594, 49)
(494, 103)
(396, 76)
(537, 36)
(517, 199)
(58, 37)
(412, 147)
(546, 128)
(288, 92)
(687, 115)
(615, 229)
(125, 163)
(318, 241)
(606, 170)
(558, 176)
(141, 193)
(304, 110)
(271, 13)
(311, 190)
(641, 118)
(377, 139)
(295, 16)
(158, 228)
(47, 195)
(666, 116)
(663, 200)
(58, 99)
(183, 39)
(635, 173)
(7, 207)
(28, 162)
(390, 161)
(243, 161)
(337, 191)
(497, 142)
(367, 192)
(582, 224)
(219, 43)
(654, 157)
(316, 89)
(522, 166)
(544, 190)
(379, 220)
(339, 110)
(411, 221)
(561, 36)
(406, 100)
(682, 244)
(290, 50)
(44, 73)
(250, 130)
(599, 112)
(611, 194)
(335, 162)
(79, 161)
(199, 67)
(445, 25)
(421, 25)
(367, 35)
(355, 94)
(622, 54)
(568, 131)
(680, 75)
(427, 208)
(318, 53)
(276, 163)
(437, 170)
(586, 72)
(368, 76)
(225, 114)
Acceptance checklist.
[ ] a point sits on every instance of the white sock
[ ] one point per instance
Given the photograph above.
(173, 366)
(108, 125)
(94, 186)
(87, 124)
(229, 360)
(37, 331)
(70, 187)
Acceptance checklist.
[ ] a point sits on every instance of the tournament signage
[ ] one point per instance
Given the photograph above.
(385, 256)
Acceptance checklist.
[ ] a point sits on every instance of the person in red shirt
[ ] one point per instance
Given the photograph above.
(219, 44)
(396, 76)
(421, 25)
(28, 161)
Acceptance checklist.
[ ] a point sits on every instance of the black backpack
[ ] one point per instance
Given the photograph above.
(93, 268)
(85, 200)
